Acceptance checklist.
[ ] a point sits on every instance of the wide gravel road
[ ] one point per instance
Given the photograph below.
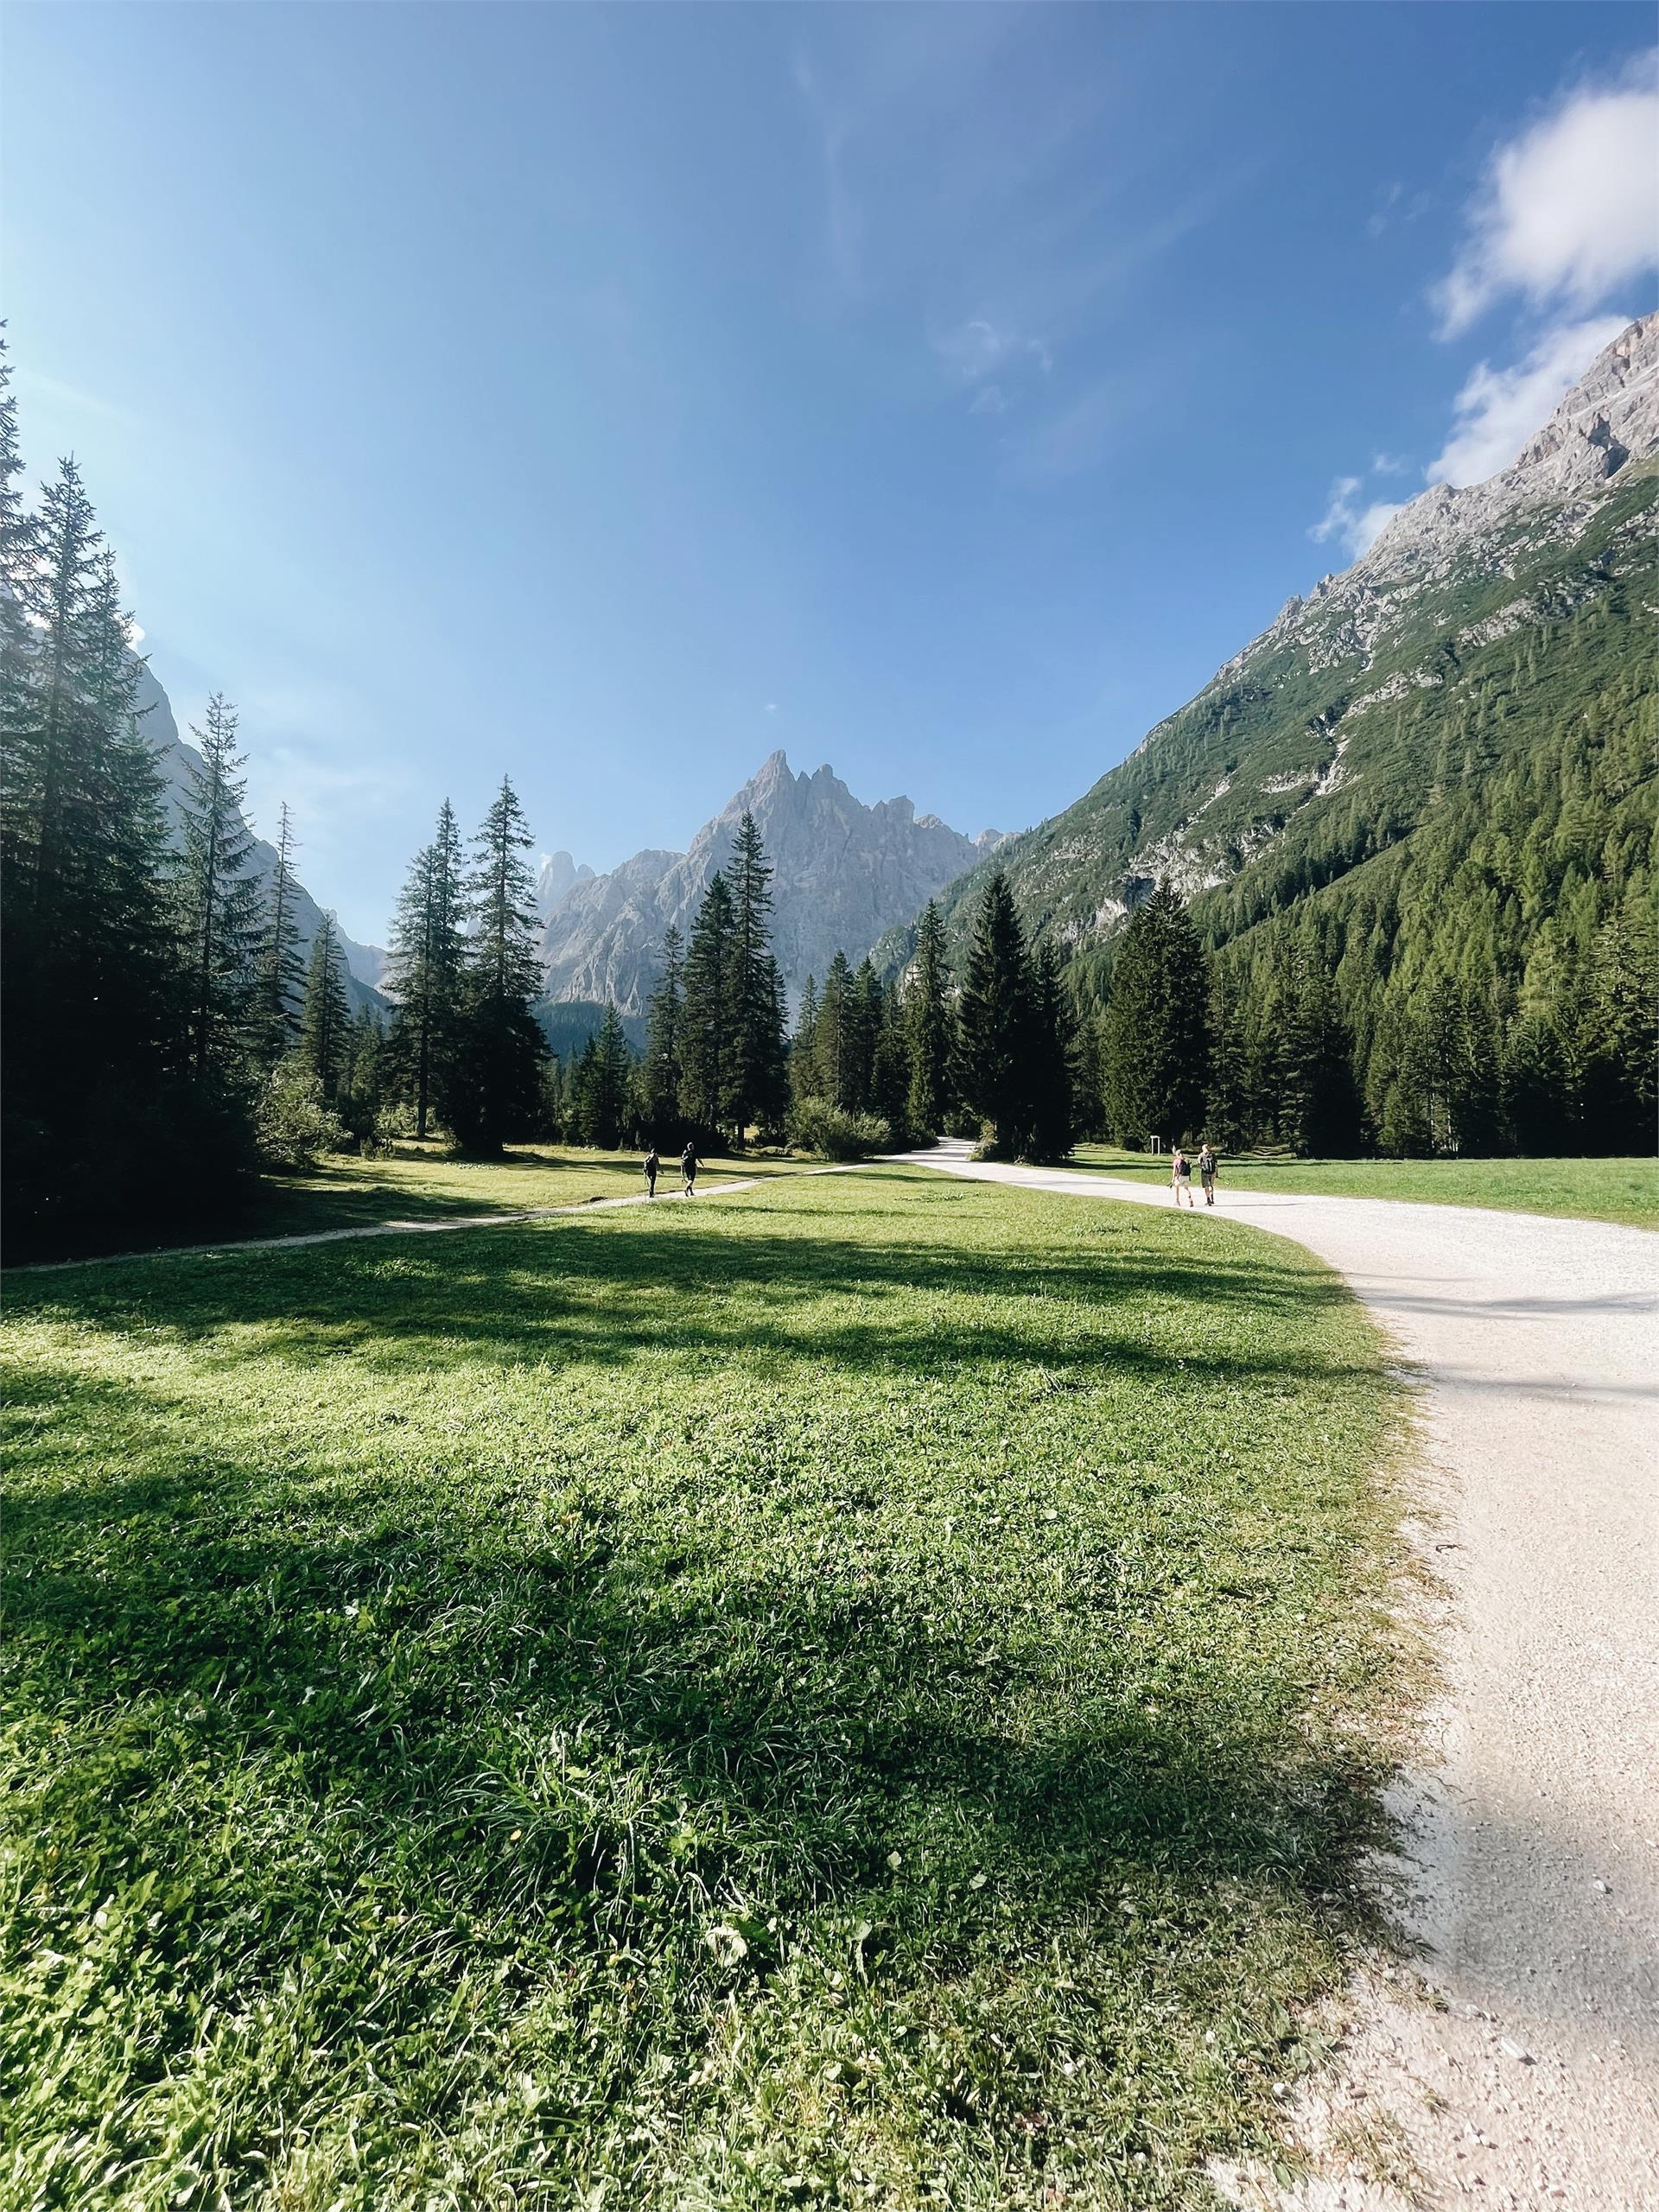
(1526, 2075)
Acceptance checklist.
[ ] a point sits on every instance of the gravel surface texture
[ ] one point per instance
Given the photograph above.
(1516, 2064)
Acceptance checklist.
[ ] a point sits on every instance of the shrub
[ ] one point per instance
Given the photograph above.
(293, 1124)
(817, 1125)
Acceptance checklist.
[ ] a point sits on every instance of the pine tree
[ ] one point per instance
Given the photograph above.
(605, 1089)
(803, 1052)
(424, 970)
(661, 1076)
(1318, 1102)
(890, 1067)
(280, 976)
(753, 1078)
(495, 1084)
(835, 1044)
(327, 1012)
(1053, 1066)
(218, 898)
(1155, 1034)
(995, 1024)
(706, 1016)
(930, 1028)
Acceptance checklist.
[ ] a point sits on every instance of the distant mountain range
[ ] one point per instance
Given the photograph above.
(844, 873)
(365, 963)
(1355, 737)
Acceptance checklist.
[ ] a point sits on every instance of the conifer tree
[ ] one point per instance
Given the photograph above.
(803, 1052)
(1053, 1069)
(1155, 1039)
(281, 976)
(836, 1043)
(706, 1015)
(890, 1072)
(996, 1023)
(495, 1085)
(660, 1077)
(753, 1080)
(219, 899)
(930, 1028)
(327, 1015)
(604, 1087)
(424, 970)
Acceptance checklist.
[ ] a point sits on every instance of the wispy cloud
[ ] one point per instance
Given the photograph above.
(1352, 523)
(1564, 214)
(1497, 409)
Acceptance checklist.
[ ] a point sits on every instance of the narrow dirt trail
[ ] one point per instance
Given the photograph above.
(1525, 2073)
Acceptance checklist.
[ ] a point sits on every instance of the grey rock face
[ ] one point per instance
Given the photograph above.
(365, 963)
(844, 873)
(558, 873)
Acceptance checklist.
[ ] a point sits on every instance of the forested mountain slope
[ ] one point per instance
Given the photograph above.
(1432, 779)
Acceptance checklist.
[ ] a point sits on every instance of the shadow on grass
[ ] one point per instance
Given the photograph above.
(638, 1287)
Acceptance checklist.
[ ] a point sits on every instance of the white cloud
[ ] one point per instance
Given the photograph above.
(1355, 527)
(1498, 410)
(1566, 211)
(989, 399)
(1390, 464)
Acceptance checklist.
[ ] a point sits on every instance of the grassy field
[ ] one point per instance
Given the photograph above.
(863, 1694)
(1588, 1189)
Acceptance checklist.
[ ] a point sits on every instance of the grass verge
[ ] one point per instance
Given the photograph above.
(1585, 1190)
(865, 1696)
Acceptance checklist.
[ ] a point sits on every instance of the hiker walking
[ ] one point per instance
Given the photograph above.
(1180, 1176)
(688, 1168)
(1207, 1172)
(650, 1172)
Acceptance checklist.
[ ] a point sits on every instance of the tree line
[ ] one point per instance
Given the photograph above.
(165, 1036)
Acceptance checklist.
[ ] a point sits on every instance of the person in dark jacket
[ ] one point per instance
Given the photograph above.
(688, 1168)
(650, 1172)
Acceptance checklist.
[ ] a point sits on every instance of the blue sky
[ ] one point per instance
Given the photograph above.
(611, 395)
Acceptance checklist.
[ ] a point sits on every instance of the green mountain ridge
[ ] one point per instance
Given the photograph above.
(1435, 772)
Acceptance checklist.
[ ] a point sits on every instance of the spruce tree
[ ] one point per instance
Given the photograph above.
(425, 971)
(706, 1016)
(995, 1024)
(219, 899)
(661, 1075)
(1053, 1068)
(280, 978)
(754, 1074)
(495, 1084)
(835, 1044)
(930, 1028)
(803, 1052)
(324, 1034)
(605, 1084)
(1156, 1036)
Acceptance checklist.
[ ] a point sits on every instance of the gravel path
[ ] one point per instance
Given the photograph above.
(1523, 2069)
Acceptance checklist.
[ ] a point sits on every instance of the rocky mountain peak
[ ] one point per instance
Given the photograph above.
(843, 874)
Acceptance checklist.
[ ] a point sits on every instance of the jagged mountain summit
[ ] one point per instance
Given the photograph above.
(365, 963)
(558, 874)
(844, 873)
(1482, 621)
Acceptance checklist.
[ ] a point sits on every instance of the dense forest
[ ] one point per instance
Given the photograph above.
(1441, 888)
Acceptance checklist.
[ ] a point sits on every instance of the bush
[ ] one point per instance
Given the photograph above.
(293, 1124)
(816, 1125)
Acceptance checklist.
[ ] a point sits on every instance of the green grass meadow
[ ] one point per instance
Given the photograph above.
(869, 1692)
(1585, 1190)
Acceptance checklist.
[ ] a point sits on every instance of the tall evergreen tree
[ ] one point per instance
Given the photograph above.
(424, 970)
(280, 977)
(706, 1016)
(753, 1081)
(803, 1052)
(996, 1023)
(661, 1076)
(930, 1028)
(835, 1044)
(1156, 1036)
(219, 899)
(325, 1031)
(1053, 1066)
(604, 1087)
(496, 1083)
